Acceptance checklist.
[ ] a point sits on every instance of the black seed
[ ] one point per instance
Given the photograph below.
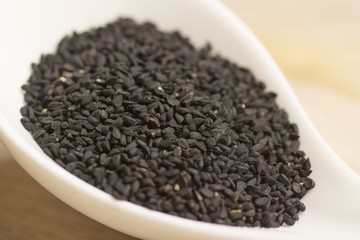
(177, 151)
(130, 121)
(153, 122)
(184, 179)
(296, 187)
(288, 220)
(167, 206)
(117, 101)
(122, 188)
(38, 133)
(116, 133)
(261, 202)
(301, 206)
(159, 91)
(179, 118)
(46, 120)
(195, 135)
(148, 118)
(144, 146)
(173, 101)
(309, 183)
(86, 100)
(206, 192)
(91, 106)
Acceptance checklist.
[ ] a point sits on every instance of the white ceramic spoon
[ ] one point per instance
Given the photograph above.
(33, 27)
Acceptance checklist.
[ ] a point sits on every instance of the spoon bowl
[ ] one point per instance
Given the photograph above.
(332, 206)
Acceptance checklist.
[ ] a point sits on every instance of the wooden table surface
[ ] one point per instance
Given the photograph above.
(316, 45)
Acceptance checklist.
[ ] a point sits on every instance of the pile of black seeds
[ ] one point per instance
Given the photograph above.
(146, 117)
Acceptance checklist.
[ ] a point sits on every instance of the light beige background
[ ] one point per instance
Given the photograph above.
(316, 44)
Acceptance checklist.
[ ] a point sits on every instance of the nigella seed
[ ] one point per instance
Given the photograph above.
(309, 183)
(94, 121)
(116, 133)
(144, 146)
(24, 111)
(262, 201)
(206, 192)
(86, 100)
(154, 122)
(46, 120)
(288, 219)
(173, 101)
(179, 118)
(130, 121)
(148, 118)
(177, 151)
(38, 133)
(296, 187)
(195, 135)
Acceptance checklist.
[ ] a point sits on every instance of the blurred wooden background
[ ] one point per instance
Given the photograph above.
(317, 46)
(315, 43)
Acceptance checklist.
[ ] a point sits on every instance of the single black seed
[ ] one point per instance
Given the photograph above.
(206, 192)
(116, 133)
(94, 121)
(173, 101)
(296, 187)
(154, 122)
(46, 120)
(195, 135)
(262, 201)
(179, 118)
(177, 151)
(211, 142)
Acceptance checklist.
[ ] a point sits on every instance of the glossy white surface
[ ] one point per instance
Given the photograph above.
(34, 27)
